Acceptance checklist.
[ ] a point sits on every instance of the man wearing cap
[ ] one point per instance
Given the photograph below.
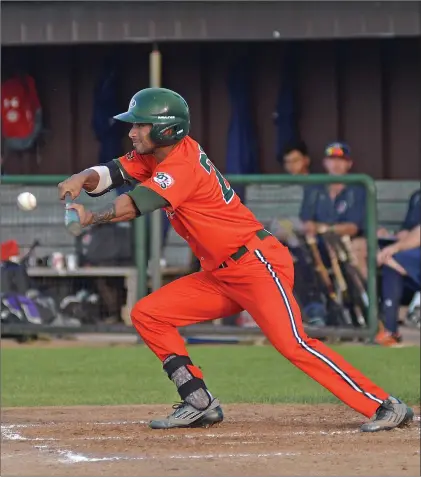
(338, 207)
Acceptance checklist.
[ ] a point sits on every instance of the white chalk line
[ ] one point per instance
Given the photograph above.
(69, 457)
(90, 423)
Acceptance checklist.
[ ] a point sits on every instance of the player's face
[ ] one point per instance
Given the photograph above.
(296, 163)
(139, 134)
(337, 166)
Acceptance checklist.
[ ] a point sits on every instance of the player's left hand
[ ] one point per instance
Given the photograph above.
(387, 253)
(85, 216)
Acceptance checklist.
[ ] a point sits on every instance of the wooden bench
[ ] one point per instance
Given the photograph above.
(392, 202)
(267, 201)
(282, 201)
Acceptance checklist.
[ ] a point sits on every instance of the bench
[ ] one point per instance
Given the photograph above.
(45, 223)
(282, 201)
(392, 202)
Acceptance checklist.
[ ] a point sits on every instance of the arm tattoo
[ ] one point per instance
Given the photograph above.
(104, 216)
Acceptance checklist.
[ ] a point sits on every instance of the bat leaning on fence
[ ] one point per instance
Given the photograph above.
(24, 260)
(336, 269)
(343, 278)
(356, 283)
(345, 242)
(334, 301)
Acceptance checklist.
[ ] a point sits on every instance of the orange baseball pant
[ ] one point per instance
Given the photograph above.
(260, 282)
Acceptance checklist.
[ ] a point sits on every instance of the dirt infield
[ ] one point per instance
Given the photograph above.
(253, 440)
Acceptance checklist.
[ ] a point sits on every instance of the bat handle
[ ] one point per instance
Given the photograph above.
(71, 218)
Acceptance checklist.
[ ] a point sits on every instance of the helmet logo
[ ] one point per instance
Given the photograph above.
(166, 117)
(132, 104)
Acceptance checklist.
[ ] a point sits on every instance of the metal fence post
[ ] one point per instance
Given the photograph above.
(371, 227)
(141, 256)
(155, 66)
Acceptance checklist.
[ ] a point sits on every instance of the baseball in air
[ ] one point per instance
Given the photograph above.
(27, 201)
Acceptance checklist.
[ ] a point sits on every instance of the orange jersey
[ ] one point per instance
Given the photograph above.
(204, 209)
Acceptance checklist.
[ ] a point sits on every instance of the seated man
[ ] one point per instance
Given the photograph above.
(399, 260)
(296, 162)
(412, 219)
(338, 207)
(296, 159)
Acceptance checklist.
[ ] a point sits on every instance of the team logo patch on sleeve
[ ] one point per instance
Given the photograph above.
(164, 180)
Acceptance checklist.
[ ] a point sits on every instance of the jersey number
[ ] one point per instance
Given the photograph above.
(227, 192)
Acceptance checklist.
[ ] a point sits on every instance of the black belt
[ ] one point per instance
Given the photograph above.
(261, 234)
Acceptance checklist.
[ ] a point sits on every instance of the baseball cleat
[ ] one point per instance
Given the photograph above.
(185, 415)
(391, 414)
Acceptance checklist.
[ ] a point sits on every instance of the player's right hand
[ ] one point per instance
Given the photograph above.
(73, 185)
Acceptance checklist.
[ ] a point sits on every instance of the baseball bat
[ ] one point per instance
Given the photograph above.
(356, 283)
(337, 272)
(346, 241)
(341, 275)
(351, 262)
(34, 245)
(326, 280)
(71, 218)
(320, 267)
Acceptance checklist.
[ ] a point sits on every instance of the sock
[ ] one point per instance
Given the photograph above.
(392, 290)
(191, 388)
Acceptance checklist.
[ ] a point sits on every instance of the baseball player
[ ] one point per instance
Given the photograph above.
(243, 266)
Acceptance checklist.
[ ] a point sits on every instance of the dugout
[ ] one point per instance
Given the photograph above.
(357, 73)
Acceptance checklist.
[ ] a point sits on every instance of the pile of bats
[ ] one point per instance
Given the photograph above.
(326, 273)
(340, 282)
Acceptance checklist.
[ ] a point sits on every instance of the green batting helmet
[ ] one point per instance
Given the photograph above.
(164, 109)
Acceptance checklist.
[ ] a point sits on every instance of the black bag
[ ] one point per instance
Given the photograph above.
(46, 304)
(106, 245)
(14, 278)
(21, 301)
(83, 306)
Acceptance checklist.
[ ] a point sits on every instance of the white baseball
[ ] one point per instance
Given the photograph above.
(27, 201)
